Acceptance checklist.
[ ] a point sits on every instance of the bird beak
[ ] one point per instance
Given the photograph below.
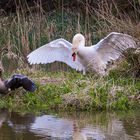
(74, 56)
(74, 53)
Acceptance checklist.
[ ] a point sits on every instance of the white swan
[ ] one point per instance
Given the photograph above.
(80, 57)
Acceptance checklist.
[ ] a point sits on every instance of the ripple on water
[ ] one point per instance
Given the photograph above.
(70, 126)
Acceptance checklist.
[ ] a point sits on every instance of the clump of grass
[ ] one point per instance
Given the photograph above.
(132, 57)
(79, 93)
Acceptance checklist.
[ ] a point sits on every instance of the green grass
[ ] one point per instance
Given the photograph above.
(73, 91)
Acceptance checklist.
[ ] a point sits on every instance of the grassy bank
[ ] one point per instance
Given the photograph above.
(73, 91)
(25, 30)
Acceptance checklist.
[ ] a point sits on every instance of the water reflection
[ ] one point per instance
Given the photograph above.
(70, 126)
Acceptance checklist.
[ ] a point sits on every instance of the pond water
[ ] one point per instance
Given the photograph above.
(70, 126)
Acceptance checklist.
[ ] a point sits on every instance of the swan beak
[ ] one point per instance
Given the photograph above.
(74, 56)
(74, 53)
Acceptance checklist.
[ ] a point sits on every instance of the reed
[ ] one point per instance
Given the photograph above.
(30, 27)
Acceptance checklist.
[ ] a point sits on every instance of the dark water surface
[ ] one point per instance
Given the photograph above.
(70, 126)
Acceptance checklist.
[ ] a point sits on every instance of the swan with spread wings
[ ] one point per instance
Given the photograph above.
(81, 57)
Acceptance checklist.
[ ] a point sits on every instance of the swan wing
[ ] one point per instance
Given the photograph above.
(57, 50)
(111, 47)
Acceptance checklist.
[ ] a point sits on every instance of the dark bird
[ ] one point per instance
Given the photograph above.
(16, 81)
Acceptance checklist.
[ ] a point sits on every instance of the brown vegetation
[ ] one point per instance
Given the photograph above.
(26, 25)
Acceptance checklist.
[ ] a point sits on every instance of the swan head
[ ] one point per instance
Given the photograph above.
(77, 42)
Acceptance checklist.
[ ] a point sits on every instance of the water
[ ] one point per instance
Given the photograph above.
(70, 126)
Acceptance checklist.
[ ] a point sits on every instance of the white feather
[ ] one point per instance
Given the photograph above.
(95, 57)
(110, 48)
(57, 50)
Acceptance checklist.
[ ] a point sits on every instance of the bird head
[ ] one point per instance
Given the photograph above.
(77, 42)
